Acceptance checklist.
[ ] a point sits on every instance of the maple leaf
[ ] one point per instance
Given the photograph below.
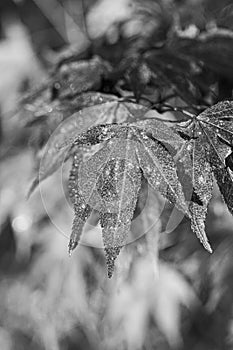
(177, 162)
(57, 148)
(217, 125)
(110, 180)
(208, 153)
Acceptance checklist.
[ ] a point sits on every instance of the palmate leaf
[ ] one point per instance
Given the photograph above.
(216, 123)
(222, 174)
(58, 146)
(209, 138)
(109, 181)
(160, 170)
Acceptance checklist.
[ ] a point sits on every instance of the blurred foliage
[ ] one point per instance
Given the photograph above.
(167, 292)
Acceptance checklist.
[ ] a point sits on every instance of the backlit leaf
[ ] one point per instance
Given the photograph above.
(81, 209)
(109, 182)
(202, 182)
(160, 170)
(57, 148)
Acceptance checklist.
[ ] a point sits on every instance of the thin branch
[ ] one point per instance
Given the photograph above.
(85, 21)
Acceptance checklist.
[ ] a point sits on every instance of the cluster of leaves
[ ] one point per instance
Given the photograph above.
(100, 115)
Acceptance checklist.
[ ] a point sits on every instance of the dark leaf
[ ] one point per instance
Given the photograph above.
(174, 72)
(217, 126)
(213, 49)
(209, 140)
(217, 155)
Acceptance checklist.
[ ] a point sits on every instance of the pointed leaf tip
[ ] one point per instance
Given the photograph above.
(111, 255)
(71, 246)
(207, 246)
(32, 188)
(196, 226)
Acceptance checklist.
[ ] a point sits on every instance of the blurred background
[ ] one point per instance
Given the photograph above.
(166, 292)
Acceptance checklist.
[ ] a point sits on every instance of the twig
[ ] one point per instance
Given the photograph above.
(85, 21)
